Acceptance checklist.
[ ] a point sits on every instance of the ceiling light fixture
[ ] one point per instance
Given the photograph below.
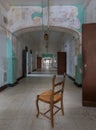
(46, 36)
(46, 32)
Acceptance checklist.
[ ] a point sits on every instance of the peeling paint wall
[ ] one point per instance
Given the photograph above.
(3, 14)
(26, 16)
(18, 47)
(3, 47)
(90, 11)
(70, 49)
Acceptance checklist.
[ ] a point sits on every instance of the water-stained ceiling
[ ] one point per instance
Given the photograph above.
(55, 38)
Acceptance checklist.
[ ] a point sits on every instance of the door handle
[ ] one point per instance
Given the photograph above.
(85, 67)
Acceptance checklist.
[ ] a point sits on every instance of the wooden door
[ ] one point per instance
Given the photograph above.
(61, 63)
(24, 63)
(89, 64)
(39, 62)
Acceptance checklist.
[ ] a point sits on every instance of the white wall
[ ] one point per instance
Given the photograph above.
(3, 59)
(91, 12)
(3, 54)
(18, 47)
(70, 50)
(35, 51)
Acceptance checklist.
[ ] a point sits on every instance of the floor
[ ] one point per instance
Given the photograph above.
(18, 109)
(44, 72)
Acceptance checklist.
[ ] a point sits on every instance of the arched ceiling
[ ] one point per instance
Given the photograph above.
(57, 36)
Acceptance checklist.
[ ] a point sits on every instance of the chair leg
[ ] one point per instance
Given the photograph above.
(37, 107)
(51, 115)
(62, 108)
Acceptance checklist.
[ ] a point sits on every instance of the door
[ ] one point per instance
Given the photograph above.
(89, 64)
(39, 62)
(24, 72)
(61, 63)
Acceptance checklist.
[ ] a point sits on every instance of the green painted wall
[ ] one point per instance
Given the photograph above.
(81, 15)
(47, 55)
(36, 14)
(11, 63)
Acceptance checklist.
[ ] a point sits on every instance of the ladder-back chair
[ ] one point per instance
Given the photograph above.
(52, 97)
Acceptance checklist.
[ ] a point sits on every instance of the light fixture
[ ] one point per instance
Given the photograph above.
(45, 32)
(46, 36)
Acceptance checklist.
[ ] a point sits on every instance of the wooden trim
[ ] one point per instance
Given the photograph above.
(3, 87)
(89, 103)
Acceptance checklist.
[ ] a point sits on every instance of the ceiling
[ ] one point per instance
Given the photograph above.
(56, 37)
(55, 42)
(35, 37)
(51, 2)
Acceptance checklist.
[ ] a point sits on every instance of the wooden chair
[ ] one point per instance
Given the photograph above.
(52, 97)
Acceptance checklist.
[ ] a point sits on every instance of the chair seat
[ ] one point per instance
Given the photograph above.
(46, 97)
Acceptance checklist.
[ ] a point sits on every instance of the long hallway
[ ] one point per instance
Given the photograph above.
(18, 109)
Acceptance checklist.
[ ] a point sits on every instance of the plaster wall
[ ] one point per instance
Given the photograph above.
(3, 54)
(18, 47)
(70, 56)
(26, 16)
(90, 11)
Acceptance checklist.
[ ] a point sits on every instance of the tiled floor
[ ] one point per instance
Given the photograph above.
(18, 109)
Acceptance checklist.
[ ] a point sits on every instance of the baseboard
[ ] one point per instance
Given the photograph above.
(13, 84)
(70, 77)
(79, 85)
(89, 103)
(33, 70)
(3, 87)
(10, 85)
(20, 78)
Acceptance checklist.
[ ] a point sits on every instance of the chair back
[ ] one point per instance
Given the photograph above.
(58, 88)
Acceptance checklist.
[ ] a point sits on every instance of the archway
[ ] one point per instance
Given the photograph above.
(36, 34)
